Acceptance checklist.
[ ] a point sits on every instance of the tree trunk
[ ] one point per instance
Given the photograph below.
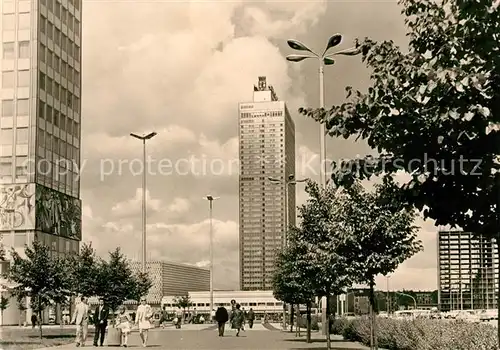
(40, 317)
(328, 342)
(498, 298)
(291, 317)
(373, 329)
(308, 315)
(299, 319)
(284, 316)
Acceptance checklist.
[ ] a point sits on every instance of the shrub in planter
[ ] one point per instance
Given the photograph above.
(422, 334)
(314, 322)
(338, 325)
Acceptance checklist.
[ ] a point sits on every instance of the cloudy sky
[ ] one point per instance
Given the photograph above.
(180, 68)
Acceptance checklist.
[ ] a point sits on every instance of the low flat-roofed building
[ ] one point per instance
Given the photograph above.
(170, 278)
(260, 301)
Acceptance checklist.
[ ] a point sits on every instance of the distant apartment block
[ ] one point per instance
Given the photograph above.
(173, 279)
(466, 271)
(267, 149)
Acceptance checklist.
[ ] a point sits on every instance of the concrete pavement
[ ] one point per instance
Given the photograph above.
(207, 339)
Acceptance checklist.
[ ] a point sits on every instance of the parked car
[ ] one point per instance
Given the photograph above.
(488, 315)
(468, 316)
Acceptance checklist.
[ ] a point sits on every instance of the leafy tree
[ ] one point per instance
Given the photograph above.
(41, 276)
(4, 304)
(435, 110)
(117, 282)
(84, 272)
(319, 233)
(182, 301)
(378, 235)
(292, 281)
(142, 284)
(21, 306)
(2, 252)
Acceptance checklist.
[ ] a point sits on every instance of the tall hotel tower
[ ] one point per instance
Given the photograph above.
(267, 149)
(40, 92)
(467, 275)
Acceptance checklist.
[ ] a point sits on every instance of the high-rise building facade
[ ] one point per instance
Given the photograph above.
(267, 149)
(467, 272)
(40, 105)
(171, 278)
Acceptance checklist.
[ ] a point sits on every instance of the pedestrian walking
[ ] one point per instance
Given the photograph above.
(178, 317)
(244, 319)
(250, 318)
(81, 320)
(100, 321)
(33, 321)
(221, 317)
(144, 313)
(237, 319)
(123, 323)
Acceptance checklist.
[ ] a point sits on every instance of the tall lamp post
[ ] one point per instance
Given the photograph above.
(290, 180)
(144, 138)
(211, 199)
(325, 59)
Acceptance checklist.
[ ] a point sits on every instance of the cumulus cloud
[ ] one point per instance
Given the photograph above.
(133, 206)
(179, 205)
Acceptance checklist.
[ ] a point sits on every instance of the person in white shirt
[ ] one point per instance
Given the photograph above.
(142, 319)
(81, 319)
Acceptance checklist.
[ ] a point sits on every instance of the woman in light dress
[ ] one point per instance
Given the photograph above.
(123, 324)
(142, 319)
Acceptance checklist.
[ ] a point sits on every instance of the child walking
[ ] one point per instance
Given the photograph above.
(124, 325)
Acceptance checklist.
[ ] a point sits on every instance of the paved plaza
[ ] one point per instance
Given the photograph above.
(194, 337)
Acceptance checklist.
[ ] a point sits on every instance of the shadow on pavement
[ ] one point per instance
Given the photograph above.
(303, 340)
(53, 336)
(211, 328)
(12, 342)
(321, 348)
(270, 327)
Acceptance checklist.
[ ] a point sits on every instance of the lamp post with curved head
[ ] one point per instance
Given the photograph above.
(290, 180)
(211, 199)
(325, 59)
(144, 138)
(409, 296)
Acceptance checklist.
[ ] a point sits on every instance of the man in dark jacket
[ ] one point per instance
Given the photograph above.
(100, 321)
(250, 318)
(221, 316)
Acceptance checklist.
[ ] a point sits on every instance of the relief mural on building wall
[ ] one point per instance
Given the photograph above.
(58, 213)
(17, 207)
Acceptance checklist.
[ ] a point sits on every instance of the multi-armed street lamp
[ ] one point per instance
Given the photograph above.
(290, 180)
(144, 138)
(325, 59)
(211, 199)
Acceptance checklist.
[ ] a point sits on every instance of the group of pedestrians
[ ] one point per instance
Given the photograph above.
(236, 317)
(124, 322)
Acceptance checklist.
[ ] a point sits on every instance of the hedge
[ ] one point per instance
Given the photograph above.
(420, 334)
(314, 322)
